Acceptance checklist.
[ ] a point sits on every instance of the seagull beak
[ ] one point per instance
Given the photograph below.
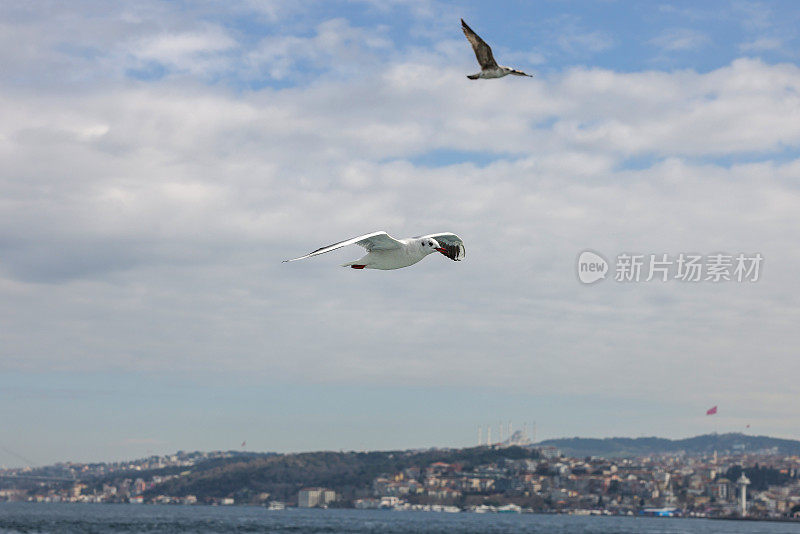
(443, 251)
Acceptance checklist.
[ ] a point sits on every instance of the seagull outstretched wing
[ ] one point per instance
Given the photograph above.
(451, 243)
(482, 50)
(374, 241)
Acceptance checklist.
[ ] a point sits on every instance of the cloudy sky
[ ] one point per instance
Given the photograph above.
(159, 159)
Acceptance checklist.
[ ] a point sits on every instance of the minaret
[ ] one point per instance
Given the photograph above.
(480, 431)
(489, 435)
(743, 482)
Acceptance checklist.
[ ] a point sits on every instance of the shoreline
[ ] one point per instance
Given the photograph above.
(576, 513)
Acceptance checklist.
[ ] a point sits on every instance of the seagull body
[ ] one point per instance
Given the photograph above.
(489, 67)
(386, 253)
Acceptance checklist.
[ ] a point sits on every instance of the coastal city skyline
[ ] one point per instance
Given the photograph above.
(161, 159)
(703, 477)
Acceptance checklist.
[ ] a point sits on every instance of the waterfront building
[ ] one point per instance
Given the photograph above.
(315, 497)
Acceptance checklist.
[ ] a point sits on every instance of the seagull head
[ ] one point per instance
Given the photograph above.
(430, 246)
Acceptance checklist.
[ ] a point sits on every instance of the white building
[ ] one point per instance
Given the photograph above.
(743, 482)
(315, 497)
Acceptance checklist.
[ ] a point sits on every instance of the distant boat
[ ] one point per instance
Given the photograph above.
(276, 505)
(509, 509)
(661, 512)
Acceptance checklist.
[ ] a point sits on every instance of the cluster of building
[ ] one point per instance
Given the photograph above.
(74, 470)
(66, 481)
(127, 490)
(662, 485)
(544, 481)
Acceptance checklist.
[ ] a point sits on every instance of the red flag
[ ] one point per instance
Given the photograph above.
(711, 411)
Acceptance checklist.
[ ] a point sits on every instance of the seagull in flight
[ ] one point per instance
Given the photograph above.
(385, 252)
(489, 67)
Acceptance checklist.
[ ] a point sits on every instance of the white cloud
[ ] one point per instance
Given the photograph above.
(194, 52)
(761, 44)
(336, 46)
(142, 226)
(680, 39)
(575, 39)
(755, 16)
(179, 193)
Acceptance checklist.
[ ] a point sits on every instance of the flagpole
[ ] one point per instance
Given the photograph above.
(712, 412)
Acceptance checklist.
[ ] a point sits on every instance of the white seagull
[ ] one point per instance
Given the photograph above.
(489, 67)
(386, 253)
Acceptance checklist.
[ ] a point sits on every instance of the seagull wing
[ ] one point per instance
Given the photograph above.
(482, 50)
(451, 243)
(374, 241)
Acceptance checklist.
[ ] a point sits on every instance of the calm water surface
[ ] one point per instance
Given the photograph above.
(123, 518)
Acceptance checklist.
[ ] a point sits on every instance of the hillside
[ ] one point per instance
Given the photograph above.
(704, 444)
(350, 473)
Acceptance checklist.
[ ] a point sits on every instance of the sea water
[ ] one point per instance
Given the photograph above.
(31, 518)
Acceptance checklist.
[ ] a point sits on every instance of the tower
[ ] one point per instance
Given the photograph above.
(743, 482)
(480, 431)
(489, 435)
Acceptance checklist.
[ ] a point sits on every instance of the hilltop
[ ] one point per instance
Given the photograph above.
(705, 444)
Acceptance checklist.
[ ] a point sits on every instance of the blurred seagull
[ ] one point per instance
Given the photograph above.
(489, 67)
(386, 253)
